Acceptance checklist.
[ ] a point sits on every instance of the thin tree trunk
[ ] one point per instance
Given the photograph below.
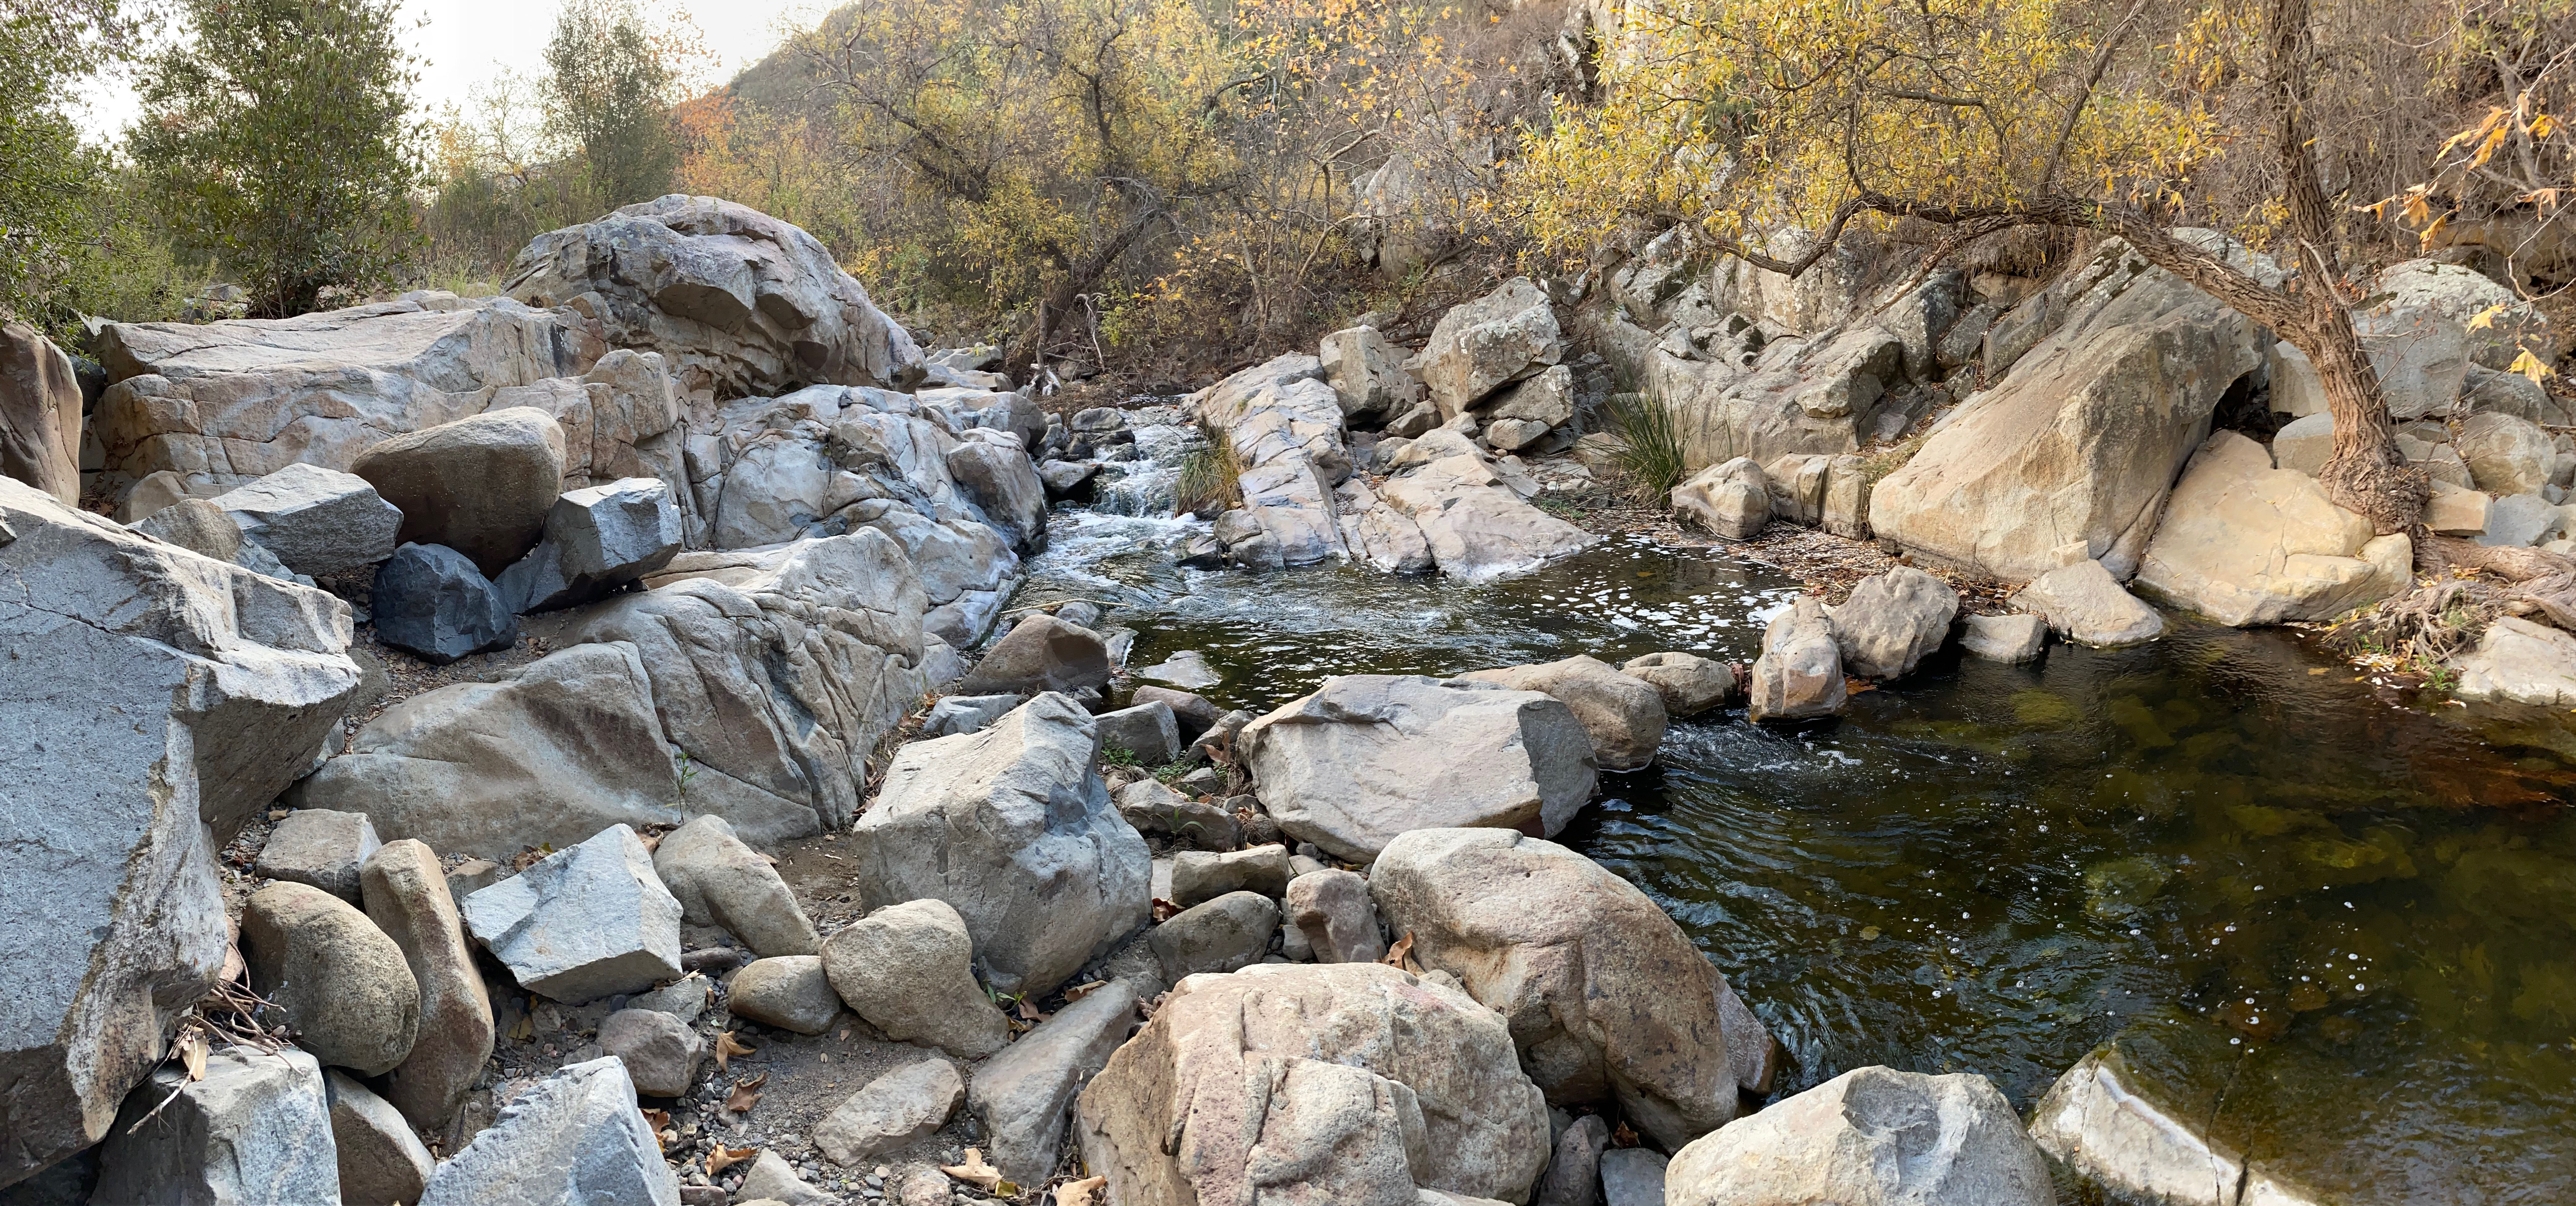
(1083, 277)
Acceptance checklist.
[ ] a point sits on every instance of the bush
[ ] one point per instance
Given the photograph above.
(1650, 456)
(1210, 477)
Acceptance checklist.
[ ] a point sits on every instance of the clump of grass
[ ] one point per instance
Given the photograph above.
(1651, 455)
(1210, 478)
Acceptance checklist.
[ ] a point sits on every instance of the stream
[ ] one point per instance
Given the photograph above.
(2331, 923)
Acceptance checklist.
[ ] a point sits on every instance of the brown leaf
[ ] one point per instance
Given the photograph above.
(1078, 1193)
(192, 1052)
(1165, 910)
(974, 1171)
(746, 1094)
(659, 1118)
(1079, 991)
(720, 1157)
(1400, 953)
(1145, 1009)
(727, 1047)
(523, 1029)
(1031, 1013)
(1625, 1136)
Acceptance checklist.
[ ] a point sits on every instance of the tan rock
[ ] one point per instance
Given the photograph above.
(1624, 715)
(1870, 1137)
(2084, 604)
(2247, 544)
(344, 986)
(40, 413)
(1800, 672)
(407, 897)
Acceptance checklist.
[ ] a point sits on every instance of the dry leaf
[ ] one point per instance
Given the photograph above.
(746, 1094)
(720, 1157)
(523, 1029)
(974, 1171)
(727, 1047)
(1031, 1013)
(192, 1051)
(659, 1118)
(1078, 1193)
(1625, 1136)
(1400, 953)
(1079, 991)
(652, 842)
(1165, 910)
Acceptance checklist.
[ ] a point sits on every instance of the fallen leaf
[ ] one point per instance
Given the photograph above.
(192, 1051)
(1401, 953)
(1078, 1193)
(652, 842)
(1623, 1137)
(746, 1094)
(1165, 910)
(1031, 1013)
(659, 1118)
(727, 1047)
(974, 1171)
(720, 1157)
(1079, 991)
(523, 1029)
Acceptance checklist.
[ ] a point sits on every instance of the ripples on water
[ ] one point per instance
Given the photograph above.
(2336, 926)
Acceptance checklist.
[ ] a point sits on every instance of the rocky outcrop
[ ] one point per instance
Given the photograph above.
(1870, 1137)
(1286, 427)
(2084, 604)
(1892, 621)
(2246, 544)
(583, 923)
(481, 485)
(1624, 715)
(575, 1136)
(1605, 996)
(1731, 499)
(1370, 756)
(1488, 343)
(2517, 661)
(40, 414)
(1013, 828)
(742, 302)
(2080, 442)
(151, 691)
(1800, 672)
(1343, 1083)
(257, 1129)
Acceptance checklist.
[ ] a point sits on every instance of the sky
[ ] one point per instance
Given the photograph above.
(464, 42)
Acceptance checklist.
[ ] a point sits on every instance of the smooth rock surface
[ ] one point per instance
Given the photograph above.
(1148, 730)
(380, 1159)
(430, 601)
(2098, 1122)
(1370, 756)
(1688, 683)
(1199, 876)
(344, 987)
(481, 485)
(1193, 713)
(1024, 1092)
(789, 992)
(319, 848)
(1892, 621)
(2084, 604)
(596, 539)
(1731, 499)
(892, 1112)
(721, 882)
(1040, 653)
(407, 897)
(1334, 911)
(2247, 544)
(1800, 672)
(2517, 661)
(2013, 638)
(583, 923)
(909, 969)
(1227, 933)
(576, 1136)
(315, 520)
(1624, 715)
(1484, 344)
(1868, 1137)
(40, 414)
(255, 1132)
(1633, 1176)
(661, 1052)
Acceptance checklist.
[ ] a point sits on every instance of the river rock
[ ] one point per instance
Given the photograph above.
(2104, 1126)
(1367, 373)
(721, 882)
(1800, 672)
(1188, 670)
(150, 692)
(1194, 714)
(1333, 911)
(1688, 683)
(255, 1132)
(2013, 638)
(315, 520)
(2520, 521)
(2081, 439)
(2506, 455)
(1870, 1136)
(1632, 1176)
(481, 485)
(1604, 994)
(661, 1052)
(1148, 730)
(2084, 604)
(408, 899)
(430, 601)
(1023, 1092)
(1625, 716)
(343, 986)
(967, 713)
(1731, 499)
(1156, 809)
(1285, 424)
(790, 992)
(1892, 621)
(1012, 827)
(745, 303)
(202, 528)
(1369, 756)
(1220, 935)
(319, 848)
(1346, 1083)
(40, 414)
(1478, 529)
(2247, 544)
(1065, 479)
(1002, 482)
(576, 1136)
(909, 969)
(1040, 653)
(2517, 661)
(380, 1160)
(1487, 343)
(1202, 876)
(596, 540)
(583, 923)
(773, 1179)
(1573, 1176)
(895, 1110)
(1388, 540)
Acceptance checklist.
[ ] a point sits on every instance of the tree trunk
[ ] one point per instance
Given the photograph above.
(2365, 475)
(1060, 300)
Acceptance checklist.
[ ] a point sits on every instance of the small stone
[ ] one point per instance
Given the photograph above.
(1199, 876)
(787, 991)
(772, 1179)
(1188, 670)
(255, 1132)
(719, 881)
(1147, 730)
(473, 875)
(1156, 809)
(1632, 1176)
(380, 1159)
(319, 848)
(344, 986)
(2085, 604)
(2013, 638)
(1226, 934)
(967, 713)
(1689, 684)
(582, 923)
(1332, 910)
(316, 520)
(894, 1111)
(909, 969)
(574, 1137)
(430, 601)
(661, 1053)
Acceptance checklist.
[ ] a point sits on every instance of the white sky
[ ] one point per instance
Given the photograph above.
(464, 42)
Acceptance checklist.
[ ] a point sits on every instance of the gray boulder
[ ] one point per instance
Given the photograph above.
(2118, 1133)
(789, 992)
(1332, 909)
(1490, 342)
(1148, 730)
(1230, 932)
(909, 970)
(1014, 829)
(345, 988)
(2013, 638)
(892, 1112)
(1800, 672)
(480, 485)
(1689, 684)
(596, 540)
(380, 1159)
(661, 1052)
(1023, 1092)
(431, 602)
(1870, 1137)
(1367, 373)
(1625, 716)
(1040, 653)
(2520, 521)
(1632, 1176)
(1160, 811)
(1893, 620)
(407, 897)
(967, 713)
(1731, 499)
(583, 923)
(721, 882)
(319, 848)
(999, 479)
(1370, 756)
(1573, 1176)
(255, 1132)
(315, 520)
(574, 1137)
(1193, 713)
(2517, 661)
(2084, 604)
(40, 414)
(1199, 875)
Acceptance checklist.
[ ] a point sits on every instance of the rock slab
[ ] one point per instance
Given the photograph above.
(894, 1111)
(1870, 1137)
(576, 1136)
(583, 923)
(255, 1132)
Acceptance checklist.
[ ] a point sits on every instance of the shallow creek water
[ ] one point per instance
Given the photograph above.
(2334, 927)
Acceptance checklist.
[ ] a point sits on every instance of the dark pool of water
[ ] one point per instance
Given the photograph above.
(2335, 924)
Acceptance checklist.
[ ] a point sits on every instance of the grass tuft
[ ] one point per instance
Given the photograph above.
(1211, 477)
(1652, 457)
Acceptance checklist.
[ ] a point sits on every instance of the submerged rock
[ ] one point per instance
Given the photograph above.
(2102, 1126)
(1869, 1137)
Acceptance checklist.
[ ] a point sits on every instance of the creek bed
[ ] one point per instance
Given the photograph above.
(2332, 926)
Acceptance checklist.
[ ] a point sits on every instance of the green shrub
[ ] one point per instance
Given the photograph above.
(1651, 453)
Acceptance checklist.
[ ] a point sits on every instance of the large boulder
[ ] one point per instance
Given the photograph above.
(256, 1131)
(40, 413)
(2246, 544)
(722, 883)
(999, 478)
(746, 303)
(1731, 499)
(431, 601)
(217, 404)
(2506, 455)
(1367, 373)
(2517, 661)
(343, 986)
(2084, 604)
(1800, 672)
(1870, 1137)
(576, 1136)
(1893, 620)
(2505, 325)
(1605, 996)
(596, 539)
(1347, 1083)
(152, 695)
(1477, 528)
(1624, 715)
(1013, 828)
(909, 969)
(1024, 1092)
(407, 897)
(480, 485)
(1370, 756)
(1488, 343)
(2082, 438)
(1285, 425)
(583, 923)
(1040, 653)
(314, 520)
(380, 1159)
